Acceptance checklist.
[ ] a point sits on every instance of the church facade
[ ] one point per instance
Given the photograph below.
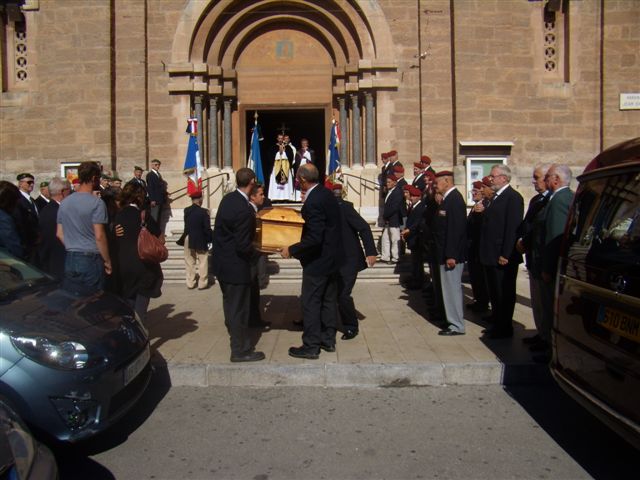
(467, 82)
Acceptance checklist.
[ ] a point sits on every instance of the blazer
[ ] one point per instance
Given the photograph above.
(197, 225)
(394, 208)
(420, 182)
(531, 231)
(25, 217)
(320, 247)
(415, 224)
(355, 229)
(233, 233)
(450, 229)
(51, 253)
(555, 217)
(156, 188)
(41, 202)
(499, 230)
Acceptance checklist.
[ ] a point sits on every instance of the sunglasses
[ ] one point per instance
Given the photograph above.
(30, 182)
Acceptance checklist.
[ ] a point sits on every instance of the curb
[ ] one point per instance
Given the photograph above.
(355, 375)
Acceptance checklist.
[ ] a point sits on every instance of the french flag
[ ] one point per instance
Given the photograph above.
(192, 163)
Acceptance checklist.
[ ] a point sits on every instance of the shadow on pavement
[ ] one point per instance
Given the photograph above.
(164, 325)
(596, 448)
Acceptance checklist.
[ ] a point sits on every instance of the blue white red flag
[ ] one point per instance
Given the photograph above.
(254, 162)
(333, 165)
(193, 168)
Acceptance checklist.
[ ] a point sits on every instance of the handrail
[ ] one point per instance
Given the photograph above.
(376, 184)
(203, 180)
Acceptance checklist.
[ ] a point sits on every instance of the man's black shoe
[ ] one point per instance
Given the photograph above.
(248, 357)
(328, 348)
(532, 340)
(449, 333)
(349, 334)
(305, 352)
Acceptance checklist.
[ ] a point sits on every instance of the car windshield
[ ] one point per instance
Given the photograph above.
(16, 274)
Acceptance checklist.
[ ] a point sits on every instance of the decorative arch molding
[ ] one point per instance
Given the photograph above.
(211, 35)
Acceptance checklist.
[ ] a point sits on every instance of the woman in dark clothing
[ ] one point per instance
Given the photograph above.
(139, 281)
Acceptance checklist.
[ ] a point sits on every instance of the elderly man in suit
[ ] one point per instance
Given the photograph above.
(25, 216)
(355, 230)
(197, 236)
(412, 235)
(393, 213)
(233, 255)
(320, 253)
(45, 196)
(450, 234)
(498, 253)
(51, 253)
(557, 179)
(156, 191)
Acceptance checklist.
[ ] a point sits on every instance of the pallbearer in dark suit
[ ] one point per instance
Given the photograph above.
(450, 232)
(498, 253)
(197, 233)
(320, 253)
(233, 254)
(51, 253)
(355, 229)
(412, 235)
(476, 272)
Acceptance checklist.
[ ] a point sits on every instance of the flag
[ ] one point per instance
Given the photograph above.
(192, 164)
(254, 162)
(333, 166)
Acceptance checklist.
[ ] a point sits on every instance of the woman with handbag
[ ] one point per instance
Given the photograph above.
(139, 281)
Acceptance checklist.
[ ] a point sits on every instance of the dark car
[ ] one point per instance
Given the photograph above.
(596, 334)
(70, 365)
(21, 456)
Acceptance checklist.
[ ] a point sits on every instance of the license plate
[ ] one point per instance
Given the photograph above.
(621, 323)
(134, 368)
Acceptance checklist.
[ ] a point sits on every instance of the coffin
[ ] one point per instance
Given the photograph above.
(277, 227)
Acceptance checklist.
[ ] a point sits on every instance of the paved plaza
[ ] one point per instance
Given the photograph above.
(397, 345)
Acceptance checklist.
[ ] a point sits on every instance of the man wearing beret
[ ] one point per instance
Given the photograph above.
(137, 177)
(197, 236)
(419, 180)
(450, 232)
(412, 235)
(476, 272)
(392, 216)
(498, 253)
(44, 198)
(25, 215)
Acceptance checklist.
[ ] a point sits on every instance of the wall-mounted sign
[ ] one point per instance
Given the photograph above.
(630, 101)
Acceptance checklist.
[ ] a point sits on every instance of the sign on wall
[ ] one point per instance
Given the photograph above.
(479, 167)
(630, 101)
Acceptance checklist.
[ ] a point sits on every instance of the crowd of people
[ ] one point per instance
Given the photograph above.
(430, 218)
(85, 232)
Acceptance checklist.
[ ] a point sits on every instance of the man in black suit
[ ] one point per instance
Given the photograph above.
(498, 253)
(354, 230)
(25, 215)
(197, 236)
(392, 215)
(320, 253)
(412, 235)
(157, 191)
(51, 253)
(44, 198)
(476, 271)
(137, 177)
(233, 254)
(450, 234)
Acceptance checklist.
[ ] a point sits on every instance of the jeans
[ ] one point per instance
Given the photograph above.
(83, 273)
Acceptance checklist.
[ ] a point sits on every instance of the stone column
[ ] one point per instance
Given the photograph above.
(344, 158)
(370, 130)
(213, 132)
(197, 102)
(356, 149)
(226, 152)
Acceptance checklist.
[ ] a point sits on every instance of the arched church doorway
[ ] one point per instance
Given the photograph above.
(297, 123)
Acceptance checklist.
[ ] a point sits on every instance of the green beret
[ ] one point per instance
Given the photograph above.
(138, 169)
(44, 184)
(22, 176)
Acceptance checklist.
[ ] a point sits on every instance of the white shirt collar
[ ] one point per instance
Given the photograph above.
(561, 188)
(306, 194)
(501, 190)
(26, 195)
(246, 197)
(447, 192)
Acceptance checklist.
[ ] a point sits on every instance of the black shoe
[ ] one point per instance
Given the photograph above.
(532, 340)
(305, 352)
(248, 357)
(498, 333)
(449, 333)
(349, 334)
(326, 348)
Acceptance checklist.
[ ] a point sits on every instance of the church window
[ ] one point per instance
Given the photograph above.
(555, 49)
(14, 51)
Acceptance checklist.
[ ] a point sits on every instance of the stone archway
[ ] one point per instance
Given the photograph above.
(238, 54)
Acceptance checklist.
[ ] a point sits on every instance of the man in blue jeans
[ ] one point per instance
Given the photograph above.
(82, 219)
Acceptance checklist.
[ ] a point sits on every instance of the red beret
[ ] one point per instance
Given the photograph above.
(418, 165)
(384, 155)
(444, 173)
(392, 177)
(477, 185)
(430, 175)
(392, 153)
(413, 191)
(425, 159)
(486, 181)
(75, 181)
(398, 168)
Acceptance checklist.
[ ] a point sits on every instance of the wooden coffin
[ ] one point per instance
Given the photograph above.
(278, 227)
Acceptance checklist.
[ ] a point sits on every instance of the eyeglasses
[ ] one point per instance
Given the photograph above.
(30, 182)
(499, 175)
